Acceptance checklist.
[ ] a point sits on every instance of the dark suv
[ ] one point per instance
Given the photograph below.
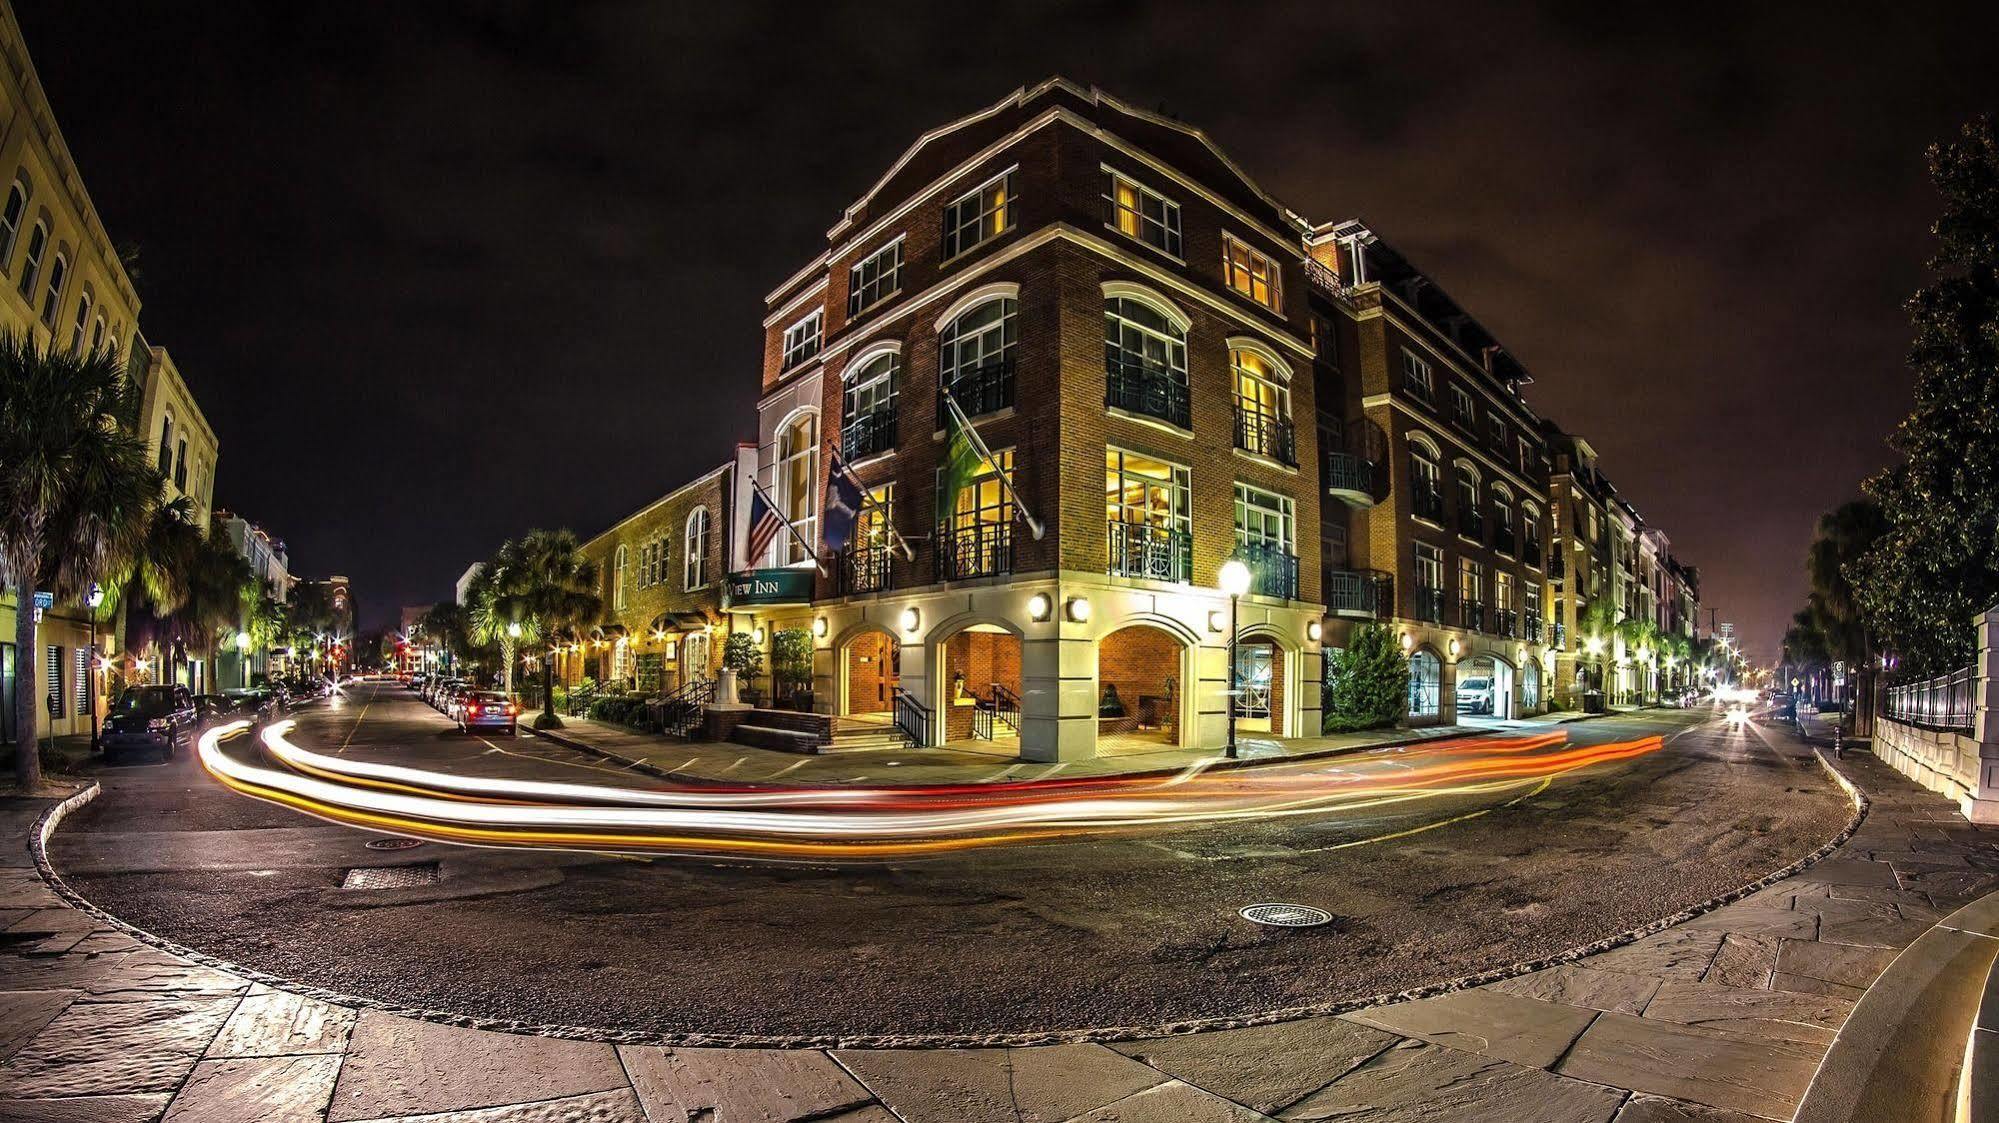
(158, 719)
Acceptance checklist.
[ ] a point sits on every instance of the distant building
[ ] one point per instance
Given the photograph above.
(264, 551)
(464, 586)
(178, 438)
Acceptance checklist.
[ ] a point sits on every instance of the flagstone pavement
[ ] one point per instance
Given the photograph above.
(1721, 1019)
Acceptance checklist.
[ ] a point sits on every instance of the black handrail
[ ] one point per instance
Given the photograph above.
(1265, 434)
(1006, 706)
(912, 717)
(1148, 389)
(982, 389)
(868, 433)
(982, 719)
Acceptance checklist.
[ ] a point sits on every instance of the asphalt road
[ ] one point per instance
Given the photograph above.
(1127, 931)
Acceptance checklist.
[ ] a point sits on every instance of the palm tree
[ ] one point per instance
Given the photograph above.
(445, 624)
(496, 615)
(548, 584)
(76, 492)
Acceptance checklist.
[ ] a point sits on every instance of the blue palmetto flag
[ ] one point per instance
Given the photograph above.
(844, 499)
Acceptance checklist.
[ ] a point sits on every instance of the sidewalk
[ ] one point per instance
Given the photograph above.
(1722, 1018)
(728, 762)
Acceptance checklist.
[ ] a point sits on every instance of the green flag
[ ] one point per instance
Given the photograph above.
(962, 462)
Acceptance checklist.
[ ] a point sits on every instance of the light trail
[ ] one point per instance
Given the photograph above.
(871, 822)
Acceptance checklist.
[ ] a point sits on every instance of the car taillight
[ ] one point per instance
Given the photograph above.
(472, 708)
(513, 708)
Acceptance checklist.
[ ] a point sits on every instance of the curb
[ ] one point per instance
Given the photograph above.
(54, 816)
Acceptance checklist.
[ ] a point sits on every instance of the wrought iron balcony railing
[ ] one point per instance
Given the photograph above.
(1530, 552)
(865, 569)
(1471, 616)
(1531, 629)
(1273, 572)
(980, 549)
(1506, 622)
(1558, 566)
(1347, 475)
(1148, 390)
(868, 433)
(982, 389)
(1359, 592)
(1428, 505)
(1265, 434)
(1429, 606)
(1156, 553)
(1471, 524)
(1502, 538)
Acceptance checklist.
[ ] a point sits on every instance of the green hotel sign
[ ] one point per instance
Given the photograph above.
(770, 587)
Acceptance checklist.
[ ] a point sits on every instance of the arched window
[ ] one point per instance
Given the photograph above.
(31, 266)
(1471, 520)
(694, 559)
(167, 444)
(1530, 526)
(52, 299)
(83, 304)
(1502, 519)
(1262, 403)
(975, 357)
(1145, 360)
(1426, 480)
(618, 578)
(10, 220)
(97, 334)
(868, 406)
(797, 480)
(1426, 680)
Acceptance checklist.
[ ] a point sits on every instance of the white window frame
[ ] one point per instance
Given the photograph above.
(12, 226)
(52, 293)
(1285, 511)
(1417, 372)
(886, 283)
(694, 536)
(31, 265)
(1178, 484)
(955, 220)
(1464, 409)
(1168, 241)
(801, 341)
(1273, 281)
(618, 577)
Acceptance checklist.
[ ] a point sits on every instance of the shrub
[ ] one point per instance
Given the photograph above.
(740, 654)
(1367, 682)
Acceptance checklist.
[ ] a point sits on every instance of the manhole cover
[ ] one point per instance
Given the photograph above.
(394, 843)
(391, 877)
(1285, 916)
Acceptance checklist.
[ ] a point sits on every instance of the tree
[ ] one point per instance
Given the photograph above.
(76, 493)
(1844, 536)
(741, 655)
(497, 615)
(545, 582)
(791, 657)
(1367, 681)
(1937, 565)
(448, 625)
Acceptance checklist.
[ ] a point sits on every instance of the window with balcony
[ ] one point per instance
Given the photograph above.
(1505, 618)
(1145, 361)
(1265, 529)
(1262, 404)
(874, 278)
(1144, 214)
(797, 482)
(31, 266)
(1250, 273)
(1532, 626)
(1429, 605)
(1530, 541)
(1463, 408)
(1149, 515)
(977, 539)
(868, 412)
(801, 341)
(1471, 595)
(975, 357)
(1426, 481)
(865, 564)
(979, 215)
(1418, 380)
(1471, 519)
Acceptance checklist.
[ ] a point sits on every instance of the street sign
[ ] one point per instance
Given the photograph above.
(770, 587)
(44, 601)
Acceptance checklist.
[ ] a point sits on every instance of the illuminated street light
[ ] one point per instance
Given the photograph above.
(1233, 579)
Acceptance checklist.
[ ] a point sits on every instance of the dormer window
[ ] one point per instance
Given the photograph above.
(801, 341)
(1144, 214)
(1250, 273)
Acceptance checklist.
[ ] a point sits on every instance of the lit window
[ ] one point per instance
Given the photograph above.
(1144, 214)
(979, 215)
(618, 579)
(1417, 380)
(1263, 519)
(801, 340)
(31, 266)
(876, 278)
(52, 299)
(694, 561)
(1250, 273)
(798, 476)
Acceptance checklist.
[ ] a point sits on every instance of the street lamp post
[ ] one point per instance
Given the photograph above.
(1233, 579)
(92, 600)
(242, 660)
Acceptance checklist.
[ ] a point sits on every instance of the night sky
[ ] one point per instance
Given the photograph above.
(438, 272)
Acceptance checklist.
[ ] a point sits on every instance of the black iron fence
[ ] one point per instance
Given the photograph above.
(1272, 572)
(1154, 552)
(1944, 702)
(865, 569)
(983, 389)
(980, 549)
(1153, 391)
(1360, 592)
(868, 433)
(1265, 434)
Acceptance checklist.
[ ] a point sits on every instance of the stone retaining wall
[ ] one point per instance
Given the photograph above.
(1943, 761)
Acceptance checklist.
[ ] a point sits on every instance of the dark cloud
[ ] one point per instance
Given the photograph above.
(441, 271)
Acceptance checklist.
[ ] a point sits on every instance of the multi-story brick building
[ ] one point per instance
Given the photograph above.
(1122, 313)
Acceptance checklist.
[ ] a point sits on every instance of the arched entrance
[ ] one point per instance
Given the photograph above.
(870, 671)
(1426, 682)
(1141, 690)
(978, 688)
(1485, 688)
(1530, 686)
(1259, 686)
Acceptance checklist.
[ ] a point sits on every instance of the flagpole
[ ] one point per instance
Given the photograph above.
(795, 536)
(868, 503)
(1034, 525)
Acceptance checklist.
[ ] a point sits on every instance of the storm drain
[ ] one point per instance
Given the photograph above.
(393, 843)
(1285, 916)
(391, 877)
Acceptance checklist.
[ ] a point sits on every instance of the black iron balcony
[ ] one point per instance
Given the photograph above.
(868, 433)
(981, 549)
(1532, 627)
(1502, 537)
(1428, 505)
(982, 389)
(1471, 523)
(1506, 622)
(1359, 593)
(1148, 390)
(1265, 434)
(1530, 552)
(1349, 478)
(1155, 553)
(1429, 606)
(1272, 572)
(1471, 616)
(1558, 566)
(865, 569)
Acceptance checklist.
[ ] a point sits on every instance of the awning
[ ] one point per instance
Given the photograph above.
(607, 631)
(679, 622)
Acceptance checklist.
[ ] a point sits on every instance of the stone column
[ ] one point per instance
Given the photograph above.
(1981, 803)
(1447, 688)
(1058, 693)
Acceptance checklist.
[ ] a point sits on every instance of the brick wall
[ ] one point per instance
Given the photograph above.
(870, 674)
(1137, 662)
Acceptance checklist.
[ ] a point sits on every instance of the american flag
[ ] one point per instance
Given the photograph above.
(765, 523)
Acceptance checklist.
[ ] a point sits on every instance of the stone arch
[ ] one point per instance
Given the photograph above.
(867, 666)
(1147, 684)
(1266, 680)
(972, 657)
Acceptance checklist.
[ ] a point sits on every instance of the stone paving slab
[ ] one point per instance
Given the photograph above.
(1732, 1071)
(777, 1085)
(272, 1023)
(1417, 1082)
(1525, 1031)
(1264, 1067)
(1583, 986)
(400, 1066)
(256, 1090)
(1032, 1085)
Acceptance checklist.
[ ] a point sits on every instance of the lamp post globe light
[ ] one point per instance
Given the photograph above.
(243, 660)
(93, 600)
(1232, 579)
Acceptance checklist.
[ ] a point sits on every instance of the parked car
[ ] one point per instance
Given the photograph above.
(1475, 696)
(256, 704)
(487, 709)
(454, 699)
(157, 719)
